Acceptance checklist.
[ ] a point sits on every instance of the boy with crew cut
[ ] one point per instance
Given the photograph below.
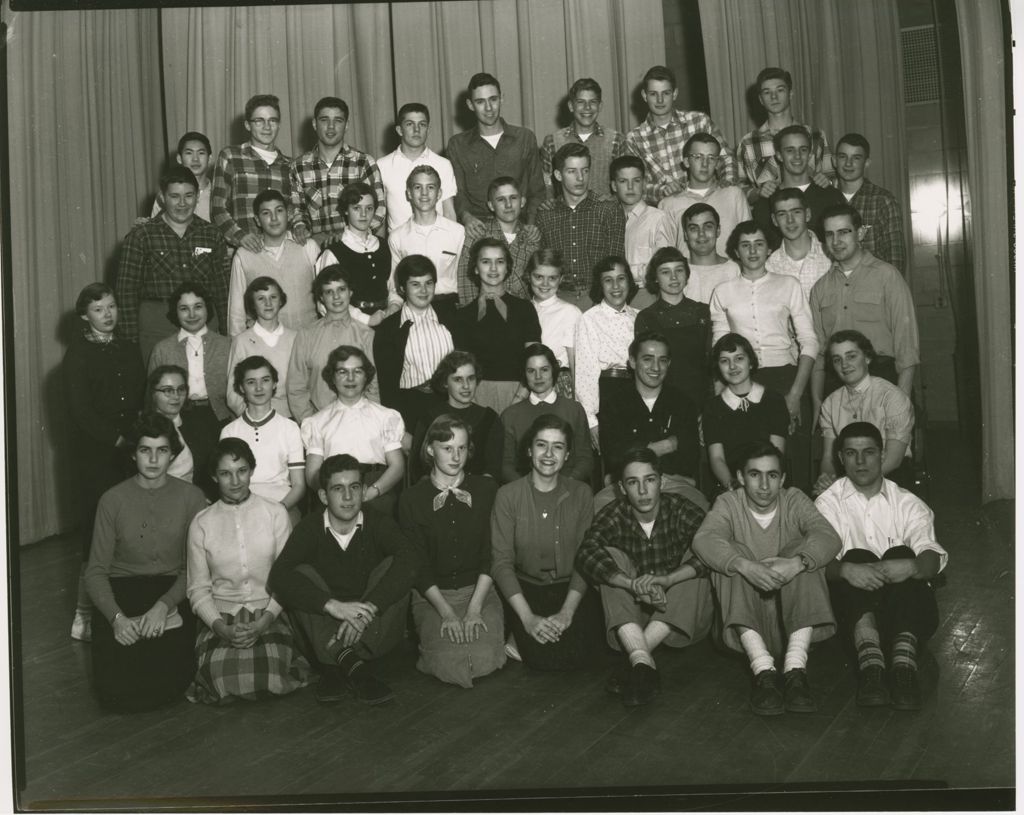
(318, 177)
(700, 157)
(506, 202)
(768, 548)
(243, 172)
(880, 212)
(195, 154)
(491, 148)
(581, 224)
(604, 143)
(647, 228)
(429, 234)
(282, 258)
(413, 128)
(659, 139)
(801, 254)
(756, 151)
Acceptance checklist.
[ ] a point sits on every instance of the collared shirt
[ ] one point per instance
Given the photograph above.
(603, 143)
(558, 321)
(687, 327)
(762, 310)
(306, 389)
(292, 265)
(705, 279)
(277, 446)
(756, 154)
(603, 336)
(194, 357)
(593, 229)
(365, 430)
(231, 548)
(892, 517)
(239, 175)
(440, 241)
(615, 526)
(661, 148)
(874, 300)
(394, 173)
(874, 400)
(427, 345)
(883, 224)
(648, 229)
(477, 164)
(343, 539)
(315, 187)
(808, 270)
(527, 241)
(729, 202)
(154, 261)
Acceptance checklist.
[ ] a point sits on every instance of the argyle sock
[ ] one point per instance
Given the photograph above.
(868, 643)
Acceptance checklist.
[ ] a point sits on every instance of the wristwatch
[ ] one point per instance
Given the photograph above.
(806, 561)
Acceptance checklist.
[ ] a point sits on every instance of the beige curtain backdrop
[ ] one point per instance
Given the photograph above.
(536, 49)
(845, 61)
(84, 125)
(987, 202)
(216, 58)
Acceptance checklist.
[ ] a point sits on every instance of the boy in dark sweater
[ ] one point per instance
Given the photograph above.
(344, 577)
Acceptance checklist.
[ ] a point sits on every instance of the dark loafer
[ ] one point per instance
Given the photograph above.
(765, 697)
(871, 690)
(797, 695)
(368, 689)
(331, 688)
(643, 685)
(906, 692)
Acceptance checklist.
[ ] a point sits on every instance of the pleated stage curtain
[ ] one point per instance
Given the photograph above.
(536, 49)
(85, 130)
(845, 62)
(214, 59)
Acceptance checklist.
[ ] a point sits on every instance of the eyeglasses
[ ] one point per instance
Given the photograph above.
(181, 390)
(265, 122)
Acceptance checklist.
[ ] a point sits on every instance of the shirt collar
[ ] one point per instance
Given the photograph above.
(357, 244)
(734, 401)
(342, 539)
(265, 335)
(610, 310)
(184, 335)
(597, 131)
(848, 490)
(547, 400)
(257, 422)
(338, 405)
(408, 315)
(638, 211)
(862, 386)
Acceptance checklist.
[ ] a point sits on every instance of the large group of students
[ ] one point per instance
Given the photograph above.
(540, 403)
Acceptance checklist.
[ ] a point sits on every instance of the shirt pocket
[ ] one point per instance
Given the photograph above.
(867, 306)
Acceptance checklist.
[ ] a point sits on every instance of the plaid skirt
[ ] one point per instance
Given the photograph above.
(271, 667)
(563, 384)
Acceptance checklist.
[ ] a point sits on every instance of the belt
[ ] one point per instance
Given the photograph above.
(616, 373)
(371, 306)
(444, 298)
(193, 403)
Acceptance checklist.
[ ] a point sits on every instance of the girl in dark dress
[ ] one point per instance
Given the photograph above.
(103, 380)
(744, 412)
(447, 516)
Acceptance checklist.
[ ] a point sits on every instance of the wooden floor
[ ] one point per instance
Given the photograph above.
(521, 733)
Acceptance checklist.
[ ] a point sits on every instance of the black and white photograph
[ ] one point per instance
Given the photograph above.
(509, 405)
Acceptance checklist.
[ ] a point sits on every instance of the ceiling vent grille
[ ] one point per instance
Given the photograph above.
(920, 64)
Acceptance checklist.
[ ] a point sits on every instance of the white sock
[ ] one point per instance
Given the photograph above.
(635, 644)
(756, 651)
(656, 632)
(796, 649)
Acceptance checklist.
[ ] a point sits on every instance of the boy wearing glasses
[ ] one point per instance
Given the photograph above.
(700, 158)
(242, 172)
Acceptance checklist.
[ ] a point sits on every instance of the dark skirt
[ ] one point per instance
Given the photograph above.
(149, 673)
(581, 645)
(271, 667)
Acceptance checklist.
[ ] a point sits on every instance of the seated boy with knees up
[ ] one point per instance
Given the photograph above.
(653, 590)
(767, 546)
(880, 588)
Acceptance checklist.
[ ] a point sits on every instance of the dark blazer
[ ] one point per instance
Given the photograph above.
(216, 349)
(389, 341)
